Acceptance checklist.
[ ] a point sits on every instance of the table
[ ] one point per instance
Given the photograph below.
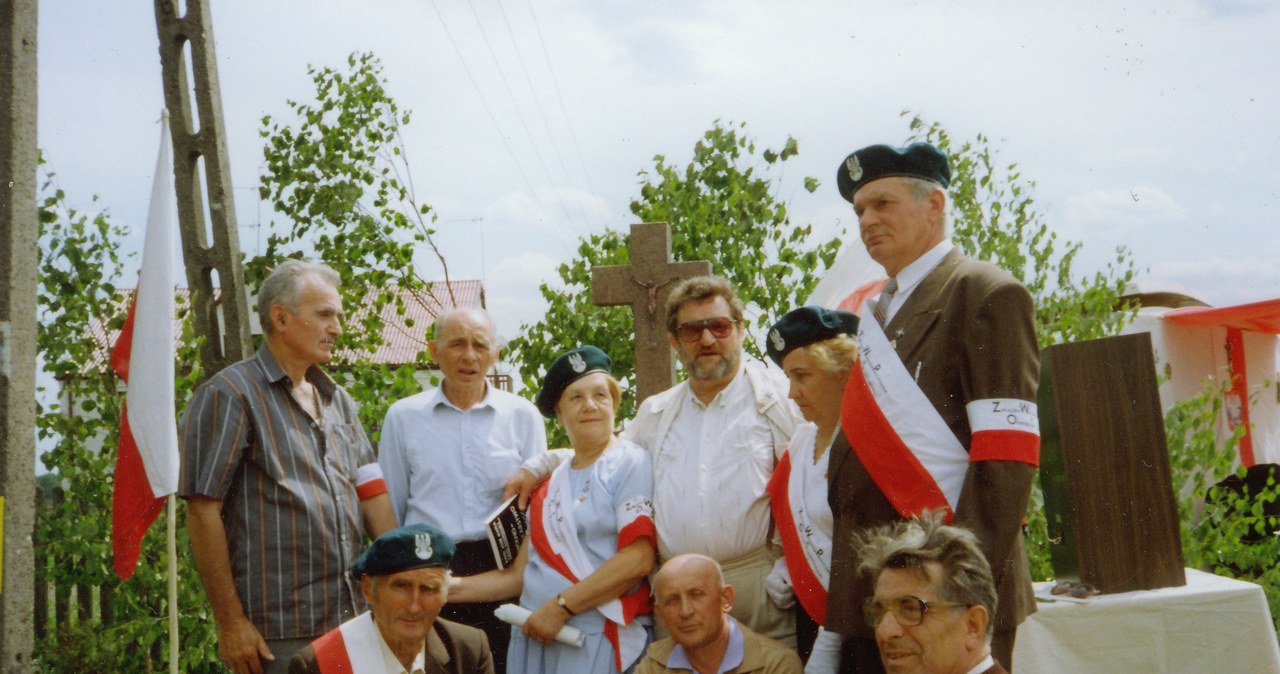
(1212, 624)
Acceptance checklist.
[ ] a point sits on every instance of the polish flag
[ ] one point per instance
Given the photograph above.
(143, 356)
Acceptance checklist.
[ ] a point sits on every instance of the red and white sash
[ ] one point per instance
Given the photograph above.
(904, 443)
(355, 647)
(805, 544)
(553, 533)
(898, 435)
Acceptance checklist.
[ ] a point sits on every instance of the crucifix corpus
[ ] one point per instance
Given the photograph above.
(645, 284)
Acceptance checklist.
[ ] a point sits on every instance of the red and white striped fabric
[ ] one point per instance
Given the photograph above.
(143, 356)
(355, 647)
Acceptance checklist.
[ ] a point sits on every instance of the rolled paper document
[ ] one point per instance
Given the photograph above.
(516, 615)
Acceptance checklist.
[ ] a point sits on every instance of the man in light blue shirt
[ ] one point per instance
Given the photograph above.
(446, 453)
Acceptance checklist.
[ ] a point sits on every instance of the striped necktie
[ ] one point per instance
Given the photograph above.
(886, 296)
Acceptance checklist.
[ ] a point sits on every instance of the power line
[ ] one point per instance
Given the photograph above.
(563, 110)
(515, 105)
(497, 127)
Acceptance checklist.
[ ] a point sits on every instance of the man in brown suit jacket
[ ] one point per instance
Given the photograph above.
(404, 575)
(964, 332)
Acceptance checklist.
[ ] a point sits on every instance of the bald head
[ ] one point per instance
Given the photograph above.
(452, 319)
(690, 565)
(693, 601)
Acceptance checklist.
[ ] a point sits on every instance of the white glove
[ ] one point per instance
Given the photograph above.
(825, 657)
(778, 585)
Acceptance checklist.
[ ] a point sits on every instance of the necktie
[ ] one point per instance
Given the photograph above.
(886, 296)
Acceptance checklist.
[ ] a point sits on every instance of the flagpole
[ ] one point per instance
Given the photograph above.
(173, 585)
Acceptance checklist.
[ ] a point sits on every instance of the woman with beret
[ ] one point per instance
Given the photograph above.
(816, 349)
(591, 542)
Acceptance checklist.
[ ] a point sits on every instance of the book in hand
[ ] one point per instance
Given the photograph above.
(506, 528)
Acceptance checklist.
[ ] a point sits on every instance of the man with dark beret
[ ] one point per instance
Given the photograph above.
(940, 414)
(404, 576)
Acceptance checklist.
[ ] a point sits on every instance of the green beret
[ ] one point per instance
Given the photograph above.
(804, 326)
(411, 547)
(568, 368)
(917, 160)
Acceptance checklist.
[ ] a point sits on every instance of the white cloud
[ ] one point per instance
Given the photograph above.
(1123, 208)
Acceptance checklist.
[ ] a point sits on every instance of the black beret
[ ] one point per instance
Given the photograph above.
(917, 160)
(568, 368)
(804, 326)
(403, 549)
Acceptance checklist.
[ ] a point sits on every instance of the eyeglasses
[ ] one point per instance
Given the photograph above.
(908, 611)
(1073, 589)
(692, 330)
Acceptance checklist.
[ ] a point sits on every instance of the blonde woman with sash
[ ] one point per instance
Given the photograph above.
(816, 349)
(591, 542)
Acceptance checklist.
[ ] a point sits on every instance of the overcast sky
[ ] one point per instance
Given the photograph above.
(1150, 125)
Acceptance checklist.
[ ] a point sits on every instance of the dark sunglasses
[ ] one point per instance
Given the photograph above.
(1077, 590)
(692, 331)
(908, 611)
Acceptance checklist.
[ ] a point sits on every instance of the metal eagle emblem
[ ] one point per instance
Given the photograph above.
(422, 546)
(854, 167)
(577, 362)
(775, 338)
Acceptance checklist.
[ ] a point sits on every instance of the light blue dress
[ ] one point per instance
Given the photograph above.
(624, 471)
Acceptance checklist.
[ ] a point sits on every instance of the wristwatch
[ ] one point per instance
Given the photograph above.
(564, 605)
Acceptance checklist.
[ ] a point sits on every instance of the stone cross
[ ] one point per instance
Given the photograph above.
(645, 285)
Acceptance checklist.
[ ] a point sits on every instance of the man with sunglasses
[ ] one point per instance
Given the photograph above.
(715, 439)
(940, 412)
(934, 598)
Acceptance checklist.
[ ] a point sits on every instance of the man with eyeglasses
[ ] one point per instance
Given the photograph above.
(934, 598)
(940, 412)
(714, 439)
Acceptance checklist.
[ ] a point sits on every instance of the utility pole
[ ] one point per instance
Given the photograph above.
(19, 234)
(224, 321)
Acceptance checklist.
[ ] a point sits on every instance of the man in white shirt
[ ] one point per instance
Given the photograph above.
(934, 598)
(404, 576)
(715, 439)
(445, 454)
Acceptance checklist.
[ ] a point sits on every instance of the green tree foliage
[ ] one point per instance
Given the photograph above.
(1224, 531)
(79, 260)
(721, 208)
(339, 174)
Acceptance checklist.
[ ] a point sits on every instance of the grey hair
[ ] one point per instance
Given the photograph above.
(909, 545)
(284, 287)
(921, 188)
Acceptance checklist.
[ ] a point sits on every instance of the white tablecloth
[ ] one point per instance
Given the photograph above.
(1212, 624)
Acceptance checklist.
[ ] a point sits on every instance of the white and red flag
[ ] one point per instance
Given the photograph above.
(143, 356)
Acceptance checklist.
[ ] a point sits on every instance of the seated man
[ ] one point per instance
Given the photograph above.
(693, 602)
(934, 598)
(404, 576)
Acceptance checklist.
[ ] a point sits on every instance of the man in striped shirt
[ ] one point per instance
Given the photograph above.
(280, 480)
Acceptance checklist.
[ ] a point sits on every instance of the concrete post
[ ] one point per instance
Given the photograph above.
(19, 232)
(203, 258)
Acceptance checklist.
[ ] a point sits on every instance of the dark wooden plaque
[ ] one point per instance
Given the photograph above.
(1105, 466)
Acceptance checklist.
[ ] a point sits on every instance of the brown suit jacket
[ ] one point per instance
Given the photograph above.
(968, 329)
(451, 649)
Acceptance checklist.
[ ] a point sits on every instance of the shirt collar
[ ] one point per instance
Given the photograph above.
(274, 372)
(733, 654)
(439, 398)
(392, 663)
(987, 663)
(911, 275)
